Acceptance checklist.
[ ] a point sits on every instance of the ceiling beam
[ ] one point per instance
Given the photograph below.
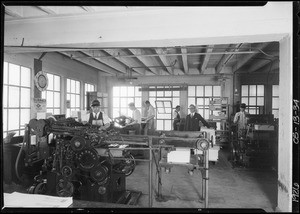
(267, 68)
(248, 57)
(129, 62)
(46, 10)
(109, 62)
(184, 60)
(226, 58)
(87, 8)
(206, 58)
(147, 61)
(12, 13)
(259, 64)
(91, 62)
(164, 60)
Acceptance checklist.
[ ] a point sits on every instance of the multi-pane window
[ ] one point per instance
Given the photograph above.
(164, 93)
(253, 97)
(275, 101)
(122, 96)
(73, 96)
(16, 98)
(87, 88)
(201, 95)
(52, 94)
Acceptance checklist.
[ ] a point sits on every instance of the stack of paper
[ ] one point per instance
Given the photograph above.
(17, 199)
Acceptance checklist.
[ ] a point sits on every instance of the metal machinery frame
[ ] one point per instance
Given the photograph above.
(254, 144)
(79, 160)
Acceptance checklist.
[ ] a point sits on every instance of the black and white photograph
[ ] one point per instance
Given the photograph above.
(149, 107)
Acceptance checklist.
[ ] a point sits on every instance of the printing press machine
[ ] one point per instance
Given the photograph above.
(69, 159)
(258, 144)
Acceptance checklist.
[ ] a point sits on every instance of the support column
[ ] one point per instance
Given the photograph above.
(285, 126)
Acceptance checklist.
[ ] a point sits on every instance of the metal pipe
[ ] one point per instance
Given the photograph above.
(150, 173)
(206, 177)
(171, 54)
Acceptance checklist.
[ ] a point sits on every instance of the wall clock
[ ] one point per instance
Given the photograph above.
(41, 80)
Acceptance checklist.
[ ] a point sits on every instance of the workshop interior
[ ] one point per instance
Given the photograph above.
(148, 107)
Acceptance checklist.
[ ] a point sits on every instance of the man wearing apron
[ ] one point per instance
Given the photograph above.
(97, 117)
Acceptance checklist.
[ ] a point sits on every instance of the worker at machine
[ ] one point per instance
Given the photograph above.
(135, 120)
(240, 119)
(176, 118)
(97, 117)
(149, 119)
(192, 122)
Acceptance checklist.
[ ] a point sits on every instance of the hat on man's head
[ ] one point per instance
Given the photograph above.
(192, 106)
(95, 103)
(243, 105)
(131, 104)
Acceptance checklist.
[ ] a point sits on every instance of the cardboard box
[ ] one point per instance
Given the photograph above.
(181, 155)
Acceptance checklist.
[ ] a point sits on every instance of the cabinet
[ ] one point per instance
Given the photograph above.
(219, 113)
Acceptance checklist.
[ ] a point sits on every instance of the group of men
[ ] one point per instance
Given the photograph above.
(99, 118)
(192, 120)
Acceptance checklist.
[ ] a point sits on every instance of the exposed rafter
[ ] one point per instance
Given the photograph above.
(206, 58)
(12, 13)
(46, 10)
(248, 57)
(88, 8)
(129, 62)
(259, 64)
(226, 58)
(164, 60)
(147, 61)
(91, 62)
(268, 67)
(109, 62)
(184, 60)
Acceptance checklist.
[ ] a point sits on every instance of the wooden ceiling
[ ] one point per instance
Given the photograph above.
(176, 60)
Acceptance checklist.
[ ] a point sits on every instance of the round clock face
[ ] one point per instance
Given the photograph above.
(41, 81)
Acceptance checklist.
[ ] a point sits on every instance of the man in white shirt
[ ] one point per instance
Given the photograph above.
(97, 117)
(240, 119)
(149, 119)
(135, 120)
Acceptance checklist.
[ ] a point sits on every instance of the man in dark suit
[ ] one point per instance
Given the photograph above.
(193, 119)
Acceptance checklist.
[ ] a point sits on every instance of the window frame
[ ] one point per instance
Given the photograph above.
(44, 94)
(76, 108)
(153, 96)
(6, 107)
(123, 108)
(256, 107)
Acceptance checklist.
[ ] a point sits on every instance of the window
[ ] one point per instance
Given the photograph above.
(73, 96)
(16, 98)
(253, 97)
(122, 96)
(52, 94)
(164, 93)
(275, 101)
(87, 88)
(201, 95)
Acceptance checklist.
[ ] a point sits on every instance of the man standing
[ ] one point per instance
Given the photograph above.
(193, 119)
(149, 119)
(97, 117)
(240, 119)
(176, 118)
(135, 121)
